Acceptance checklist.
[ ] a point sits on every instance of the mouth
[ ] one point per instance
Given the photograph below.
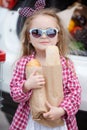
(44, 43)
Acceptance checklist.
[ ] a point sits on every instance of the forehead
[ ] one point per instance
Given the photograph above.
(44, 21)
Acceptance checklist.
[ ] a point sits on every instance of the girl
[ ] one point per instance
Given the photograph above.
(40, 30)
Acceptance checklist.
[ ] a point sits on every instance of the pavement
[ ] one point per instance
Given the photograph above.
(4, 125)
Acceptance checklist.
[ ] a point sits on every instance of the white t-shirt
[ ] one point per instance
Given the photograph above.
(33, 125)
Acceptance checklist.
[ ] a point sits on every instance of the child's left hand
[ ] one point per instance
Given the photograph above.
(54, 113)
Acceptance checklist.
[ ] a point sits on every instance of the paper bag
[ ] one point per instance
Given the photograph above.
(51, 92)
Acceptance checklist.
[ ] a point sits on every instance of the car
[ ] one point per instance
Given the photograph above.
(10, 44)
(78, 56)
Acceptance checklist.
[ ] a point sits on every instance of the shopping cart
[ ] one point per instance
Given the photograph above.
(2, 59)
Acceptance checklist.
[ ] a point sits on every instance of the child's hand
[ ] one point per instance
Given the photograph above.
(34, 81)
(54, 113)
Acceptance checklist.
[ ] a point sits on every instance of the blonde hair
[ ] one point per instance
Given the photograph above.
(27, 47)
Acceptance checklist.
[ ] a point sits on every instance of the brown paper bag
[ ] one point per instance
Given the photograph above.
(38, 97)
(51, 92)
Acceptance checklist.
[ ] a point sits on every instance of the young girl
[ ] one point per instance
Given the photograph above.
(40, 30)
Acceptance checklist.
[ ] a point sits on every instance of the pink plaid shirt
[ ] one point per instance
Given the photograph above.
(72, 94)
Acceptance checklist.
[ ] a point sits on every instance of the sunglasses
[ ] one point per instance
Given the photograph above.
(50, 32)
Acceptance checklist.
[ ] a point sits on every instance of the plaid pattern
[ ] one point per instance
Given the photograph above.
(72, 94)
(27, 11)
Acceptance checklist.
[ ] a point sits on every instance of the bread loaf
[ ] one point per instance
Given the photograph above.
(33, 62)
(31, 66)
(52, 56)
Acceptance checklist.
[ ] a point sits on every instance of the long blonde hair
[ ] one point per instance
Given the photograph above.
(27, 47)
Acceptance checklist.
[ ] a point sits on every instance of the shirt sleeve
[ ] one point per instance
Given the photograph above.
(72, 91)
(17, 83)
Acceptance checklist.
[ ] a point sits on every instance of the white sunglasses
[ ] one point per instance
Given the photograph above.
(50, 32)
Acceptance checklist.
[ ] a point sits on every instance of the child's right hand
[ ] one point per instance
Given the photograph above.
(34, 81)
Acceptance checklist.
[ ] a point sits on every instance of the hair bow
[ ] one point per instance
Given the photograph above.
(27, 11)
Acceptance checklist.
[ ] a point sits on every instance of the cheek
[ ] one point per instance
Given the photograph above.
(55, 40)
(32, 39)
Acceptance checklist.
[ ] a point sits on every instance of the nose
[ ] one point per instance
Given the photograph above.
(44, 35)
